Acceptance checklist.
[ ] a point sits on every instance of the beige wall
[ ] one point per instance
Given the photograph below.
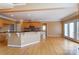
(54, 29)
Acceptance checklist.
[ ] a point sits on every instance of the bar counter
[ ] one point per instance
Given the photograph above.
(23, 38)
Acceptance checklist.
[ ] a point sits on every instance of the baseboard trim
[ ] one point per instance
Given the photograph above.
(14, 46)
(23, 45)
(54, 36)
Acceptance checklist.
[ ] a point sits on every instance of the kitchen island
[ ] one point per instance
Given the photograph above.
(21, 39)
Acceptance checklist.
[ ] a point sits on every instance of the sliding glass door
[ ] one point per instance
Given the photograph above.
(65, 29)
(71, 30)
(77, 30)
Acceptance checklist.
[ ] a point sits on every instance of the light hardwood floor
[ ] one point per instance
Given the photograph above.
(50, 46)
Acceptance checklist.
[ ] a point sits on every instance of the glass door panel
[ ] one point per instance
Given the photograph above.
(78, 30)
(65, 29)
(71, 30)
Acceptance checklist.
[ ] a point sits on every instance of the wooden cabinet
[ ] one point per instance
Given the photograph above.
(2, 37)
(4, 22)
(35, 24)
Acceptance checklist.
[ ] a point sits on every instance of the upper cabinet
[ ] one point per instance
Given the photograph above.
(4, 22)
(35, 24)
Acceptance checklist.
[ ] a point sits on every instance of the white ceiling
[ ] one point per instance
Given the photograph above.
(10, 5)
(64, 10)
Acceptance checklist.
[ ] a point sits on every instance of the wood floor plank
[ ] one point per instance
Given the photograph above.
(50, 46)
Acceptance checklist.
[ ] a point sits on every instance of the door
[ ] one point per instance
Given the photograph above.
(71, 30)
(65, 29)
(77, 30)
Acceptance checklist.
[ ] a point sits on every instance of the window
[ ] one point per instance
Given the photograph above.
(71, 30)
(78, 30)
(44, 27)
(66, 29)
